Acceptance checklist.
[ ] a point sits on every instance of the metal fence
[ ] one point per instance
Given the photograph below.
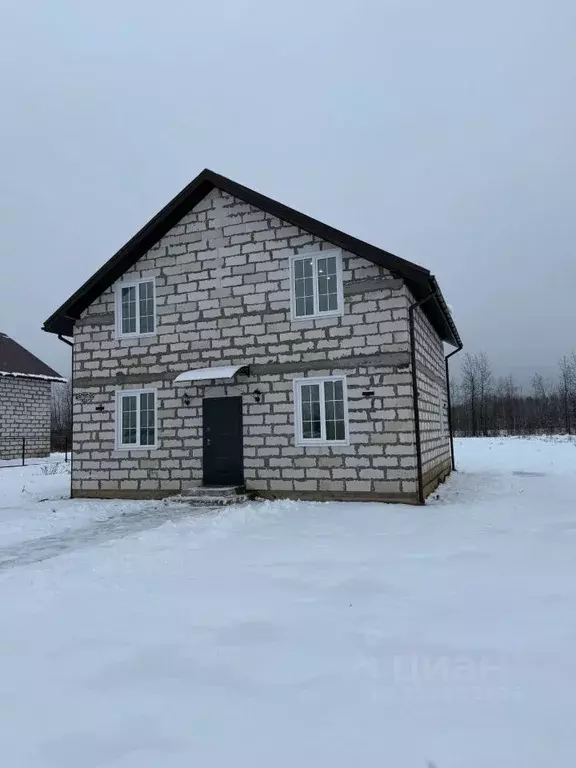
(60, 445)
(18, 451)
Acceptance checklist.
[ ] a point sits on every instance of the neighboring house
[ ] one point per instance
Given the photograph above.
(25, 396)
(236, 341)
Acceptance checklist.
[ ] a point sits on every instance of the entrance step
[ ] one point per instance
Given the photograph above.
(212, 496)
(212, 501)
(213, 490)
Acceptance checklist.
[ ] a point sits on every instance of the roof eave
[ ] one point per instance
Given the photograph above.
(37, 376)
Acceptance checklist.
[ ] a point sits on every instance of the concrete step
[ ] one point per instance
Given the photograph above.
(200, 491)
(205, 500)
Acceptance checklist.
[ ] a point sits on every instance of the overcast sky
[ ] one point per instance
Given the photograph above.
(442, 131)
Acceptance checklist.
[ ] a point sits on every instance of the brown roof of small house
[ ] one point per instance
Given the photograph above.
(420, 281)
(17, 361)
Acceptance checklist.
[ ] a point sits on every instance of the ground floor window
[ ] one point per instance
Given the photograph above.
(136, 418)
(321, 410)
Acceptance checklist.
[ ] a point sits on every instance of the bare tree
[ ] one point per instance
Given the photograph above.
(61, 414)
(541, 392)
(470, 388)
(475, 391)
(566, 389)
(484, 374)
(510, 411)
(499, 406)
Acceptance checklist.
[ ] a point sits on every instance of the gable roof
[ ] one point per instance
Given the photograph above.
(17, 361)
(419, 280)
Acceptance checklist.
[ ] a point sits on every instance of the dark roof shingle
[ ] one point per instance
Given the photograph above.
(17, 361)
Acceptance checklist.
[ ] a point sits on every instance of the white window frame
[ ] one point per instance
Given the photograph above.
(314, 256)
(297, 384)
(120, 394)
(118, 307)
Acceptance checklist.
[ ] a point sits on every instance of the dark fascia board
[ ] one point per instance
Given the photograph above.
(62, 321)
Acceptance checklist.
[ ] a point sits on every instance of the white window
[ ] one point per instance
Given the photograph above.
(317, 284)
(136, 418)
(136, 308)
(321, 411)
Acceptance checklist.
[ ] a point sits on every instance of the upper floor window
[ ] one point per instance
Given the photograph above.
(317, 284)
(135, 308)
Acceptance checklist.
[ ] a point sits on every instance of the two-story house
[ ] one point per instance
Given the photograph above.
(235, 341)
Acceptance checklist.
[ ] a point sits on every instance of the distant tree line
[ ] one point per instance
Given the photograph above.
(485, 406)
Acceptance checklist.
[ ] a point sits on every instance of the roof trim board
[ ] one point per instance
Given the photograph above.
(16, 375)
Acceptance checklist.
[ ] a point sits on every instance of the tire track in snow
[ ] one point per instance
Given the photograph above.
(99, 532)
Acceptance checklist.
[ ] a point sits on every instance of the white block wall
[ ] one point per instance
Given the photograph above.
(223, 298)
(432, 403)
(24, 413)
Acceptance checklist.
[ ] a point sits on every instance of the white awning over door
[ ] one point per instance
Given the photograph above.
(206, 374)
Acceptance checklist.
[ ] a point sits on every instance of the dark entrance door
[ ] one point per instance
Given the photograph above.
(222, 425)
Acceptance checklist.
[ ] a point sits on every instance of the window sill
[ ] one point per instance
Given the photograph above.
(120, 336)
(321, 443)
(140, 448)
(319, 316)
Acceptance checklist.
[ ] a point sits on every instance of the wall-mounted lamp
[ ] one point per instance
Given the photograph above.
(186, 399)
(257, 395)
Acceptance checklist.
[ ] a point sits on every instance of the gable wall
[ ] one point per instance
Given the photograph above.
(223, 297)
(222, 283)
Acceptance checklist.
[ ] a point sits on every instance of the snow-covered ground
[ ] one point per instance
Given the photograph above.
(295, 634)
(35, 505)
(54, 458)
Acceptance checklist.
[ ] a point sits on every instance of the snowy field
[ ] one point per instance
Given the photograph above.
(295, 634)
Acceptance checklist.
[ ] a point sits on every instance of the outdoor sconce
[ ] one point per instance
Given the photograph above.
(186, 399)
(257, 395)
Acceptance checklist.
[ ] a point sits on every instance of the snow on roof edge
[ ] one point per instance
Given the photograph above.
(33, 376)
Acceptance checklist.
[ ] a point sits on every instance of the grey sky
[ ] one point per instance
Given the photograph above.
(442, 131)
